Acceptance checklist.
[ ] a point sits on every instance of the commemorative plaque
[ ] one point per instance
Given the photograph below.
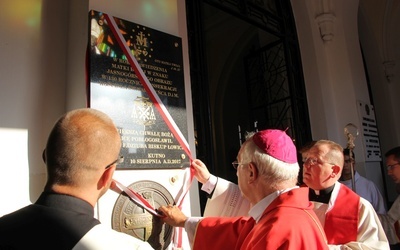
(129, 218)
(115, 88)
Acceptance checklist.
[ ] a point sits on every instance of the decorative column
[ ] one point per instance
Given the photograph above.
(325, 18)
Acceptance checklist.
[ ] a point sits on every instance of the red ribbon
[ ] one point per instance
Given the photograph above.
(168, 120)
(137, 198)
(147, 85)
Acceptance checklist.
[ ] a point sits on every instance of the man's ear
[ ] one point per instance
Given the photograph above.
(253, 172)
(335, 170)
(106, 177)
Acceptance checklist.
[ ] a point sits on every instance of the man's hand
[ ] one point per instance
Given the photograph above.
(202, 174)
(173, 216)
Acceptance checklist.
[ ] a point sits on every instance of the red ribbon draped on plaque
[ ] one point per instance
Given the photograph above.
(177, 241)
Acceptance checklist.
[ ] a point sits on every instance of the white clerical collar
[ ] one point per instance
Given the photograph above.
(258, 209)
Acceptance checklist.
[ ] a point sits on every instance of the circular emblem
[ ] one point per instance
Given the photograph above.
(132, 219)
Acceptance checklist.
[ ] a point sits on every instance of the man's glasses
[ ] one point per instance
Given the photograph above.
(391, 167)
(314, 161)
(236, 164)
(117, 161)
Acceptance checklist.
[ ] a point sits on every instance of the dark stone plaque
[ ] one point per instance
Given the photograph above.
(115, 89)
(129, 218)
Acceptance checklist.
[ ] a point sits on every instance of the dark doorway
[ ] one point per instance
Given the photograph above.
(246, 75)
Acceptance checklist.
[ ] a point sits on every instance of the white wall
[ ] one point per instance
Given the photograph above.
(334, 74)
(32, 90)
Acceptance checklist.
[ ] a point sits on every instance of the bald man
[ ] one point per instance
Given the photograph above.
(81, 155)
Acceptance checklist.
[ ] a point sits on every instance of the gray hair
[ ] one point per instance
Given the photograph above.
(271, 170)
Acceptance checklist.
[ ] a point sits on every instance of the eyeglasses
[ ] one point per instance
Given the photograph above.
(236, 164)
(117, 161)
(314, 161)
(391, 167)
(310, 161)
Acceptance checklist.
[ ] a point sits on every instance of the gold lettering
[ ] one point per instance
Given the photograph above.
(141, 39)
(174, 147)
(148, 161)
(172, 161)
(151, 155)
(133, 145)
(166, 134)
(160, 75)
(157, 146)
(121, 67)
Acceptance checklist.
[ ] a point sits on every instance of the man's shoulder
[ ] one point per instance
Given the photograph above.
(364, 179)
(345, 193)
(18, 214)
(367, 185)
(344, 188)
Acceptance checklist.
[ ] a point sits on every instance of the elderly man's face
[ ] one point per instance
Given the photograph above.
(242, 173)
(318, 173)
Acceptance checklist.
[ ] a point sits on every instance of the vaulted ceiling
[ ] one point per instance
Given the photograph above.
(383, 20)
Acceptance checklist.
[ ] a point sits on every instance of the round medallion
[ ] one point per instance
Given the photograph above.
(132, 219)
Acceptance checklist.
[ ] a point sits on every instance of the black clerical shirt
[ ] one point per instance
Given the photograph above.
(324, 195)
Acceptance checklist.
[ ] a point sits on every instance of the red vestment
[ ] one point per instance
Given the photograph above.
(289, 222)
(341, 222)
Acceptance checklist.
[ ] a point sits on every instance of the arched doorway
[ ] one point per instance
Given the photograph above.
(246, 75)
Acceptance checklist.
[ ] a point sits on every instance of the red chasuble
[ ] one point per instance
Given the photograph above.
(289, 222)
(341, 221)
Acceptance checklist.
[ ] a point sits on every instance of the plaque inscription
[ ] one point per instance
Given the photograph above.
(115, 89)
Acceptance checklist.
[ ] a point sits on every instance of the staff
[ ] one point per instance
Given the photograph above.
(350, 146)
